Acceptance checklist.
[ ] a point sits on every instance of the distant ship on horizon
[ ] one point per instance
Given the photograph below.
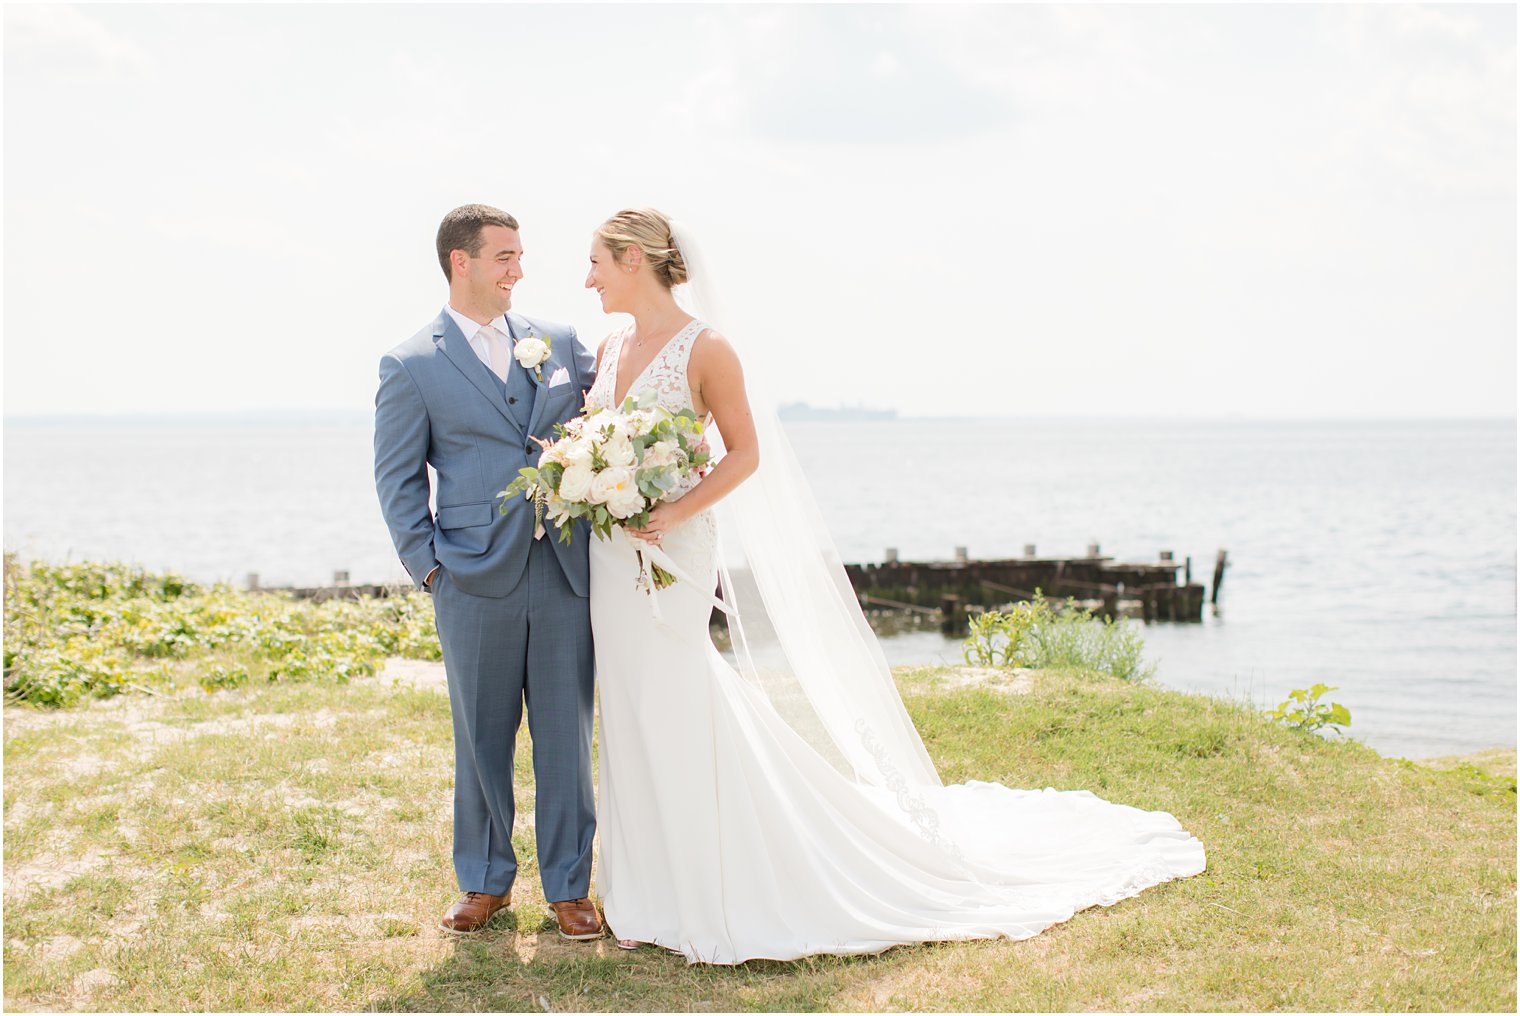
(804, 411)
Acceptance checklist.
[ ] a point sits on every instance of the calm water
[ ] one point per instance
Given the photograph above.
(1377, 557)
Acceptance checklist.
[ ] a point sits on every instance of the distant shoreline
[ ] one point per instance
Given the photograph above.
(811, 414)
(793, 411)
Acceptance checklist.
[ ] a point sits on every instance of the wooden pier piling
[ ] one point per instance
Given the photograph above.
(1112, 589)
(952, 614)
(951, 590)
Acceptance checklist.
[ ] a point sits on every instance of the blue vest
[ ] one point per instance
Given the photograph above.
(516, 391)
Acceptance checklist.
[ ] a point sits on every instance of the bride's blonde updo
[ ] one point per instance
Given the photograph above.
(648, 229)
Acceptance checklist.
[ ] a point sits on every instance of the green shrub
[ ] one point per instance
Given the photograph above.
(1302, 710)
(1034, 635)
(98, 629)
(217, 678)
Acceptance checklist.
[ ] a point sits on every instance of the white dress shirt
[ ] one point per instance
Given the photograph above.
(474, 338)
(478, 344)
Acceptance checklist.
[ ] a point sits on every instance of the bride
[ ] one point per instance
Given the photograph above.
(782, 805)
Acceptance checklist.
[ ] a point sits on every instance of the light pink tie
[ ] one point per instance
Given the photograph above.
(498, 356)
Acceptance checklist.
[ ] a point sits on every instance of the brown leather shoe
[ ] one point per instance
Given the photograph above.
(578, 919)
(472, 910)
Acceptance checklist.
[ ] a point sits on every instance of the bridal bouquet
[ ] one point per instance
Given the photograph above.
(611, 467)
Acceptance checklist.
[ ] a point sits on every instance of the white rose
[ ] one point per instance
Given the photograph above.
(661, 453)
(615, 487)
(554, 453)
(531, 352)
(576, 483)
(618, 451)
(577, 453)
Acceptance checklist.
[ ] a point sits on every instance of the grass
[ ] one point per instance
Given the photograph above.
(285, 846)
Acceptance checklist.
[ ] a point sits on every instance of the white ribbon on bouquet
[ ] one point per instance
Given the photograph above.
(654, 554)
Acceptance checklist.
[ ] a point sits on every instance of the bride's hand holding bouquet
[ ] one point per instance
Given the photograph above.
(614, 467)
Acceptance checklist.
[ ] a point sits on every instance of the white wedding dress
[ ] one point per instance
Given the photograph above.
(726, 835)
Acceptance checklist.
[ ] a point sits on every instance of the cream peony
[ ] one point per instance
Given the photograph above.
(554, 453)
(618, 451)
(615, 487)
(661, 453)
(617, 426)
(576, 453)
(577, 481)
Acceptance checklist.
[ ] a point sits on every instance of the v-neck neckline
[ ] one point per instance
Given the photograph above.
(617, 368)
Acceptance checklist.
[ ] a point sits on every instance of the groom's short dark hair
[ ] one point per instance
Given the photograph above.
(460, 230)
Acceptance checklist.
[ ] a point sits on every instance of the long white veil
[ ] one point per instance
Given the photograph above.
(987, 859)
(800, 636)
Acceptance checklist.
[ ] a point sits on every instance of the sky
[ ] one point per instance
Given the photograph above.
(1199, 211)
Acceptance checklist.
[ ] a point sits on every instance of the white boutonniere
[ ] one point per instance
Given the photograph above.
(531, 352)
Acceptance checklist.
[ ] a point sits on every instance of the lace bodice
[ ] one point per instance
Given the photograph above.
(665, 375)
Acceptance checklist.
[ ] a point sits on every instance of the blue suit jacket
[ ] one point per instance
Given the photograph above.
(439, 406)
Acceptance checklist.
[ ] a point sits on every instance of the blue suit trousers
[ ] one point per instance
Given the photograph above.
(529, 648)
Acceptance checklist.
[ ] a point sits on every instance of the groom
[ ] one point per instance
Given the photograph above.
(463, 397)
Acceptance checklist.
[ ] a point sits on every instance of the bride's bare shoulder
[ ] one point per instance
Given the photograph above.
(713, 359)
(713, 345)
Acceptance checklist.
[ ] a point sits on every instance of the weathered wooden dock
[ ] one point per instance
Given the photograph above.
(1160, 590)
(1154, 591)
(341, 587)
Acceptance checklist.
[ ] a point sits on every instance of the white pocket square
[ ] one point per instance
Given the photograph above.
(559, 377)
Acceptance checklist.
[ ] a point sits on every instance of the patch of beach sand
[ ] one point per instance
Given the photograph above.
(428, 675)
(92, 981)
(1014, 681)
(1493, 761)
(137, 714)
(424, 674)
(50, 871)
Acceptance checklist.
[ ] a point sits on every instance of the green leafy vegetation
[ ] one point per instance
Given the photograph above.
(1036, 636)
(1302, 710)
(86, 630)
(283, 844)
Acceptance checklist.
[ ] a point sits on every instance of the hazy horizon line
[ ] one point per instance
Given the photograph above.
(250, 415)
